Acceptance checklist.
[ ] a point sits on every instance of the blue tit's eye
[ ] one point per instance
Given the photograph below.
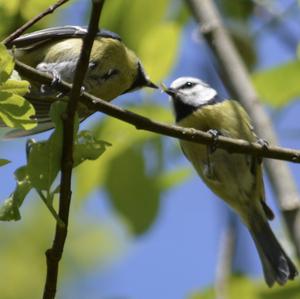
(187, 85)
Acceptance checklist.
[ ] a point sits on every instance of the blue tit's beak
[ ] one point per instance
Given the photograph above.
(171, 91)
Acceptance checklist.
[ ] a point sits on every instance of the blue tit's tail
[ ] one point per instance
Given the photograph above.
(277, 266)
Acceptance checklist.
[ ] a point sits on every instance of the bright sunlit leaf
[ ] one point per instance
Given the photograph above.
(6, 64)
(157, 61)
(15, 111)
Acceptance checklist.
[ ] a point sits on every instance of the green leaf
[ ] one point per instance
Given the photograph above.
(10, 209)
(145, 13)
(156, 26)
(134, 194)
(87, 147)
(278, 86)
(45, 157)
(6, 64)
(44, 161)
(170, 179)
(122, 136)
(16, 112)
(166, 35)
(4, 162)
(19, 87)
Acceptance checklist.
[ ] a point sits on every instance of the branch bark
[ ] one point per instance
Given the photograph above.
(54, 254)
(238, 82)
(144, 123)
(7, 41)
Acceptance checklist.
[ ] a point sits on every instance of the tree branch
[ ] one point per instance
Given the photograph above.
(144, 123)
(7, 41)
(239, 84)
(54, 254)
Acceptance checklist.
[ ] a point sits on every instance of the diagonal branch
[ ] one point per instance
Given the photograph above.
(7, 41)
(141, 122)
(238, 82)
(54, 254)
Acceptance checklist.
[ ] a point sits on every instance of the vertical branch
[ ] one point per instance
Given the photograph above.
(225, 261)
(54, 254)
(238, 82)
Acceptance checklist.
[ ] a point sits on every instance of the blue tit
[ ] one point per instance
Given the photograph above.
(113, 68)
(235, 178)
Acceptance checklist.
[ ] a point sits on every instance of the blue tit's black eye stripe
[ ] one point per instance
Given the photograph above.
(187, 85)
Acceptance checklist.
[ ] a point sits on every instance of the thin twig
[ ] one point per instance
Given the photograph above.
(54, 254)
(238, 82)
(144, 123)
(7, 41)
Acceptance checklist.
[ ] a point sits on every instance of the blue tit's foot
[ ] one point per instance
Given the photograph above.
(49, 90)
(215, 134)
(56, 78)
(264, 143)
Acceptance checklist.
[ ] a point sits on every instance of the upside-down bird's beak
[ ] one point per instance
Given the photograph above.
(151, 84)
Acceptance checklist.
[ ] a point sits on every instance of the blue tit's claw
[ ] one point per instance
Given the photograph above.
(264, 143)
(56, 78)
(215, 134)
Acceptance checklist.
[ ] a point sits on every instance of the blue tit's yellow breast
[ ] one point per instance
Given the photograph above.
(228, 117)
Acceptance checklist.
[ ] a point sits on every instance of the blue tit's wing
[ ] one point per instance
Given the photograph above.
(37, 38)
(228, 175)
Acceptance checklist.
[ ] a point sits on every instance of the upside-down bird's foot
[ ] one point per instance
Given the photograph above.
(82, 90)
